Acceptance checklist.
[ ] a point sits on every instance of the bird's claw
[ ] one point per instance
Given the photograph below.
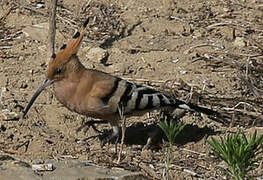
(107, 137)
(85, 127)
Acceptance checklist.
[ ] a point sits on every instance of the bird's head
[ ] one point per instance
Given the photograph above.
(57, 68)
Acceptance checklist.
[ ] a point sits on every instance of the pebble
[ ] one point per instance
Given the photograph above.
(97, 54)
(183, 72)
(239, 42)
(40, 5)
(42, 167)
(175, 60)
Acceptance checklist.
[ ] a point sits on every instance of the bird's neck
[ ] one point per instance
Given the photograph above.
(65, 89)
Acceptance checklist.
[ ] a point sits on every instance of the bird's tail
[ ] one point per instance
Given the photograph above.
(193, 107)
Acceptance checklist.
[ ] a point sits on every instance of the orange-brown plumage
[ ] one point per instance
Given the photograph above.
(66, 53)
(97, 94)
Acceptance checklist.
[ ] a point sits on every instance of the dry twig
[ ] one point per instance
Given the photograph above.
(255, 43)
(195, 152)
(6, 13)
(223, 24)
(12, 151)
(123, 129)
(190, 172)
(256, 91)
(71, 22)
(52, 28)
(201, 45)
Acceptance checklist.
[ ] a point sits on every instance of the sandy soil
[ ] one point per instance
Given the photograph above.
(208, 51)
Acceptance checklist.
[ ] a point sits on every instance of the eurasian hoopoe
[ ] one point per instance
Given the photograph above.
(100, 95)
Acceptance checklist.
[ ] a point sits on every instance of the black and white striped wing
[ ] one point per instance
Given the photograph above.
(143, 98)
(133, 97)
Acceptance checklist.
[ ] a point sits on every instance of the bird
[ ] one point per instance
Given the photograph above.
(100, 95)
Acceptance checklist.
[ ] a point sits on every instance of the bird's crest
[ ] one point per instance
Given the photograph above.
(67, 50)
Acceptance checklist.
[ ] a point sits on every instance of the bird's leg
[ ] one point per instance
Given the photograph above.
(115, 134)
(91, 123)
(152, 136)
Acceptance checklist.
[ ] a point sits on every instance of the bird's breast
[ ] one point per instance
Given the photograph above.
(66, 93)
(73, 97)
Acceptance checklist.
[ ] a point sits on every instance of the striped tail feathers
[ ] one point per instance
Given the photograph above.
(143, 98)
(192, 107)
(216, 116)
(197, 108)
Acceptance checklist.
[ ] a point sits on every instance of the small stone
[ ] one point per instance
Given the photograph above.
(97, 54)
(31, 71)
(207, 56)
(40, 5)
(239, 42)
(183, 72)
(175, 60)
(3, 89)
(21, 58)
(43, 167)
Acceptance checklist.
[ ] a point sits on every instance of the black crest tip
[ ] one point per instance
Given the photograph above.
(63, 47)
(53, 56)
(76, 35)
(86, 22)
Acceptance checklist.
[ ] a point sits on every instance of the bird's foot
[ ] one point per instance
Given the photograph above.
(108, 137)
(86, 125)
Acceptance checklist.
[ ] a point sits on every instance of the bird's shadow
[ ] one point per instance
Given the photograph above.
(138, 134)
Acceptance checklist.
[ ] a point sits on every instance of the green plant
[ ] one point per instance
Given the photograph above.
(238, 152)
(171, 130)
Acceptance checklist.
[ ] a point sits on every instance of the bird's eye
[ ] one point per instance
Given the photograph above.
(58, 71)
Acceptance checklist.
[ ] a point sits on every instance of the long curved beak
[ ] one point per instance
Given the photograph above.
(44, 84)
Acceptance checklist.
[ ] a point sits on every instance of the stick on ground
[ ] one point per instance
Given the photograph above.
(123, 118)
(52, 28)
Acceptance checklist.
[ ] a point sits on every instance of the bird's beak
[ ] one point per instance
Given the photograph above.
(44, 84)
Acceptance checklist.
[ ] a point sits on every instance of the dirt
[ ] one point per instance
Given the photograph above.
(208, 52)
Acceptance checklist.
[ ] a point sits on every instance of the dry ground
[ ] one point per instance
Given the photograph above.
(209, 51)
